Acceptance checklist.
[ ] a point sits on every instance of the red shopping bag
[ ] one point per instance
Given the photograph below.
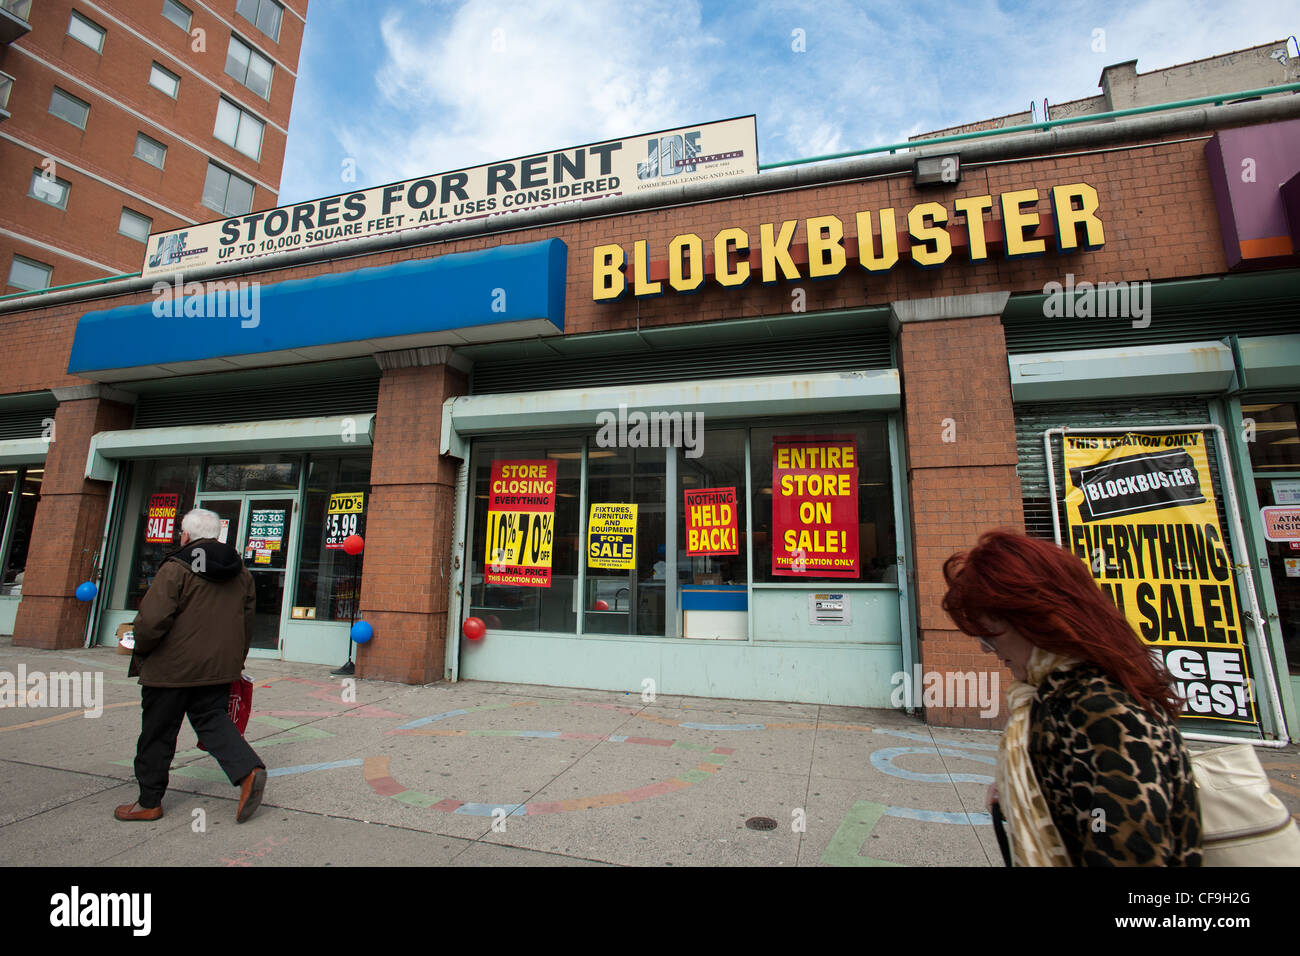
(240, 705)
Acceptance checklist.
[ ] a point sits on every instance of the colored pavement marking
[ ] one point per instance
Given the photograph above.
(855, 829)
(422, 721)
(57, 717)
(934, 740)
(212, 773)
(376, 773)
(883, 760)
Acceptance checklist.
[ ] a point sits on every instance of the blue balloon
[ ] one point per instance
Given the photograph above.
(362, 632)
(86, 591)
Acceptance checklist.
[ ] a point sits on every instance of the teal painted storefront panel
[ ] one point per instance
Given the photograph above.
(847, 675)
(8, 613)
(316, 642)
(782, 615)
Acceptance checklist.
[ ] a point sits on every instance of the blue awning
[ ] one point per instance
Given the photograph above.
(502, 293)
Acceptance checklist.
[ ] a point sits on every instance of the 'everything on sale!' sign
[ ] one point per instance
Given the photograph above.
(815, 506)
(711, 521)
(521, 523)
(343, 518)
(1141, 514)
(161, 524)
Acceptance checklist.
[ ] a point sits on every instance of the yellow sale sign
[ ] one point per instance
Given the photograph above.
(1141, 514)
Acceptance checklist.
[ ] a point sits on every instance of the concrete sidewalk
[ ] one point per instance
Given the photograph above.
(478, 774)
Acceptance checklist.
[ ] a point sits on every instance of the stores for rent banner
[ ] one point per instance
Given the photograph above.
(1141, 514)
(703, 152)
(521, 523)
(815, 507)
(611, 537)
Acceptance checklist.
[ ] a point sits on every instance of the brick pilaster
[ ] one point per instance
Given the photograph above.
(69, 524)
(961, 468)
(409, 522)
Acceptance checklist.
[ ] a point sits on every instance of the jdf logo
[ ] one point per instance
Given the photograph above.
(669, 155)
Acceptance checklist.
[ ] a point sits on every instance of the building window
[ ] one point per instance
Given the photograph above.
(134, 225)
(264, 14)
(239, 129)
(49, 189)
(164, 80)
(177, 14)
(150, 150)
(79, 28)
(249, 67)
(67, 107)
(29, 275)
(227, 193)
(20, 492)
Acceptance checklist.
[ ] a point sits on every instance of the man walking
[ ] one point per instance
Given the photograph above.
(192, 634)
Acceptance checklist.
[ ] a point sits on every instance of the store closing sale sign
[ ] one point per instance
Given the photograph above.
(611, 537)
(1141, 514)
(161, 525)
(521, 523)
(815, 506)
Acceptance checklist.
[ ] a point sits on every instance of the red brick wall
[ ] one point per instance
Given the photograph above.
(68, 528)
(408, 529)
(961, 468)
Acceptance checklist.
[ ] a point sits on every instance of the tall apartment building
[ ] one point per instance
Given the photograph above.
(119, 118)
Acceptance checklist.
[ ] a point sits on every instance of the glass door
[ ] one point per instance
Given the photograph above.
(258, 526)
(264, 544)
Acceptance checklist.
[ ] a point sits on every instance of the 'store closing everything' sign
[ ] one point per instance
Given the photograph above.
(521, 523)
(1141, 514)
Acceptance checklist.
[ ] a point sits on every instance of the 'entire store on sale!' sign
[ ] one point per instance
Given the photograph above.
(815, 507)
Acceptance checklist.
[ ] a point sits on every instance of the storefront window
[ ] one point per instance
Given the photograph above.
(619, 540)
(165, 492)
(811, 524)
(1275, 460)
(20, 492)
(622, 599)
(526, 520)
(337, 501)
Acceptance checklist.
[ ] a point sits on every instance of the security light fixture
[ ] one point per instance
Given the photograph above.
(942, 170)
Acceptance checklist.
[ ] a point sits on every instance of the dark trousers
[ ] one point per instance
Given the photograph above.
(162, 711)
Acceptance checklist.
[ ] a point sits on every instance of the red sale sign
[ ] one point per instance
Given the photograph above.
(521, 523)
(161, 523)
(815, 506)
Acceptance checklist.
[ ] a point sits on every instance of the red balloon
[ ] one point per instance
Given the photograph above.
(474, 628)
(600, 606)
(354, 544)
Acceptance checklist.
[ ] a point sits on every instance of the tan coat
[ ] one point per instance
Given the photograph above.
(192, 630)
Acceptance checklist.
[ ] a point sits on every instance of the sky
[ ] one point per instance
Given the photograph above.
(394, 89)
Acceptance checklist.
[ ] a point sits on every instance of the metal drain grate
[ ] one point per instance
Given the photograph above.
(761, 823)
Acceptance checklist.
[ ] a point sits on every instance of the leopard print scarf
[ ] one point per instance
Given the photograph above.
(1034, 837)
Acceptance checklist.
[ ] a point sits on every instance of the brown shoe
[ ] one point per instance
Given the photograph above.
(133, 811)
(250, 794)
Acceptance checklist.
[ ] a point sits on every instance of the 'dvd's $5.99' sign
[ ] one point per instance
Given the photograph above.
(521, 523)
(1141, 514)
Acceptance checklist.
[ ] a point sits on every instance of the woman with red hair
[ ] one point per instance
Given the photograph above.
(1091, 768)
